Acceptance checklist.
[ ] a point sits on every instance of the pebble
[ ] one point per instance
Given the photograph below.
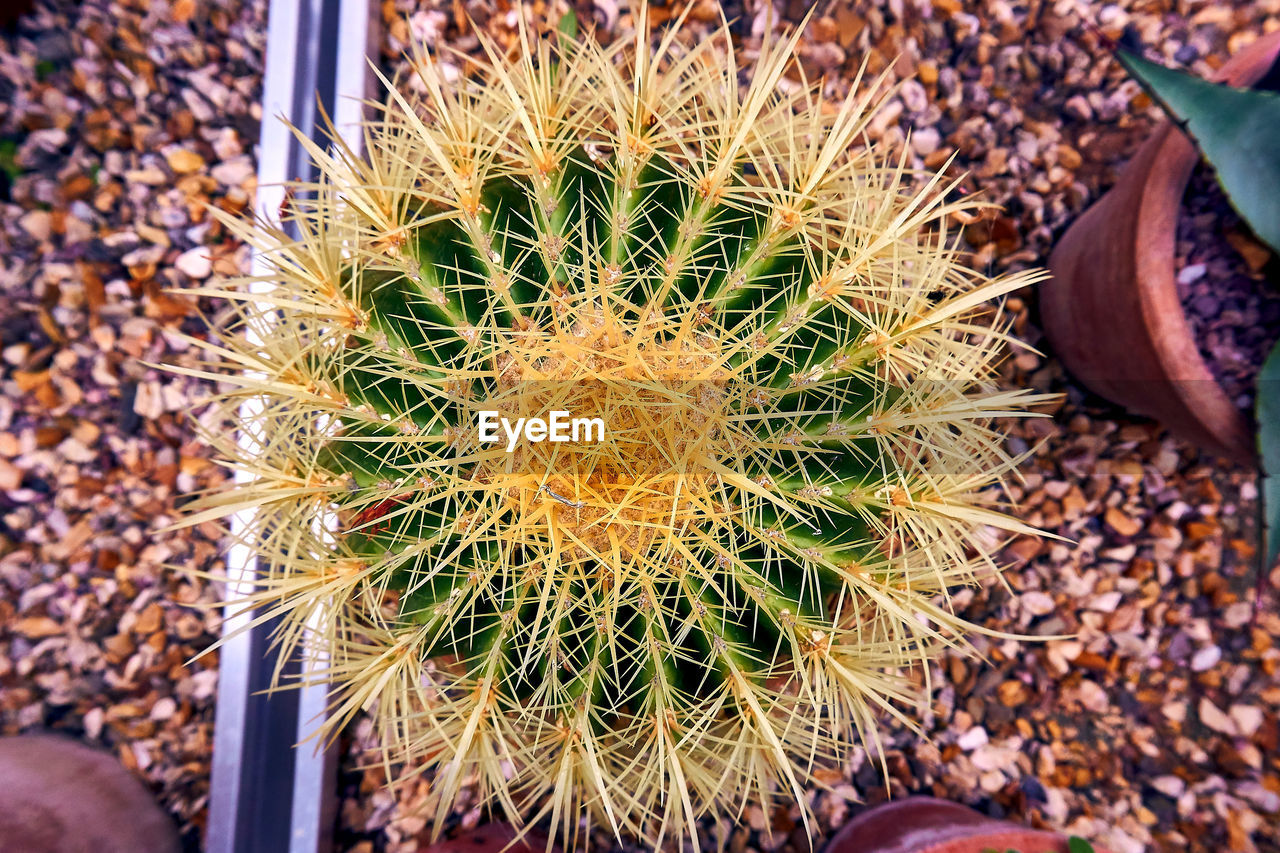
(1169, 785)
(925, 141)
(1093, 697)
(1264, 799)
(1191, 273)
(196, 263)
(107, 181)
(1122, 522)
(235, 172)
(1107, 602)
(163, 709)
(989, 757)
(1037, 603)
(10, 476)
(914, 97)
(1213, 717)
(972, 739)
(37, 223)
(1206, 658)
(1248, 719)
(184, 162)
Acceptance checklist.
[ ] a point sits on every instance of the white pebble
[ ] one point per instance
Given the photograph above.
(234, 172)
(972, 739)
(1093, 697)
(1211, 715)
(1237, 615)
(1206, 658)
(1248, 719)
(196, 263)
(988, 757)
(1263, 799)
(991, 781)
(1037, 603)
(925, 141)
(164, 708)
(914, 97)
(1169, 785)
(1107, 602)
(93, 720)
(1190, 274)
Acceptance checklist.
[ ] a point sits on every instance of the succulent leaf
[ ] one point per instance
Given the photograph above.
(799, 461)
(1236, 130)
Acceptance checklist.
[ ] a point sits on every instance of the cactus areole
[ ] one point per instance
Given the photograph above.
(726, 587)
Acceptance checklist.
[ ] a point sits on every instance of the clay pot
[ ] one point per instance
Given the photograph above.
(1112, 311)
(928, 825)
(60, 796)
(491, 838)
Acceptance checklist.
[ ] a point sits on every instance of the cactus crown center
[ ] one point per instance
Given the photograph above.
(625, 498)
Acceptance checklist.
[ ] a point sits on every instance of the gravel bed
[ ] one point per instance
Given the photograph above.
(1228, 288)
(119, 123)
(1155, 727)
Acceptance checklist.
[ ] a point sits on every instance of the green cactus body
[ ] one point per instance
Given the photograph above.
(722, 592)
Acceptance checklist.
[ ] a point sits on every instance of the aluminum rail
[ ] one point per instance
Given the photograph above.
(269, 794)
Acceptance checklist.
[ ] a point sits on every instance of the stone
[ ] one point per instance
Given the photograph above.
(1037, 603)
(973, 739)
(59, 796)
(1191, 273)
(1171, 786)
(1206, 658)
(1013, 693)
(1093, 697)
(36, 628)
(10, 476)
(1122, 523)
(196, 263)
(925, 141)
(1107, 602)
(234, 172)
(37, 223)
(1213, 717)
(184, 162)
(1248, 719)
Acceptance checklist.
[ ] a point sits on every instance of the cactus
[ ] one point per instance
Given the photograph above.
(726, 590)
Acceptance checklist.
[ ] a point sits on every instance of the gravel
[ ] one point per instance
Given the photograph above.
(113, 115)
(1231, 302)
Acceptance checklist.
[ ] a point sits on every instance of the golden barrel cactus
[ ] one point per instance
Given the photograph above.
(793, 378)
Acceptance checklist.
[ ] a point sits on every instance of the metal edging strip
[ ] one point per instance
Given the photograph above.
(267, 793)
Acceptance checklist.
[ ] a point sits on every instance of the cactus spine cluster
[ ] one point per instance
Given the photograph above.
(728, 589)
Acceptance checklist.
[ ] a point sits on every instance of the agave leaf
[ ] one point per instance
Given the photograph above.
(568, 25)
(1236, 130)
(1268, 414)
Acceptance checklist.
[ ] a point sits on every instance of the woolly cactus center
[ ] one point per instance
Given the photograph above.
(615, 497)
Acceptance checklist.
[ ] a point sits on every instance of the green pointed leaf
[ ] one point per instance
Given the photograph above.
(1268, 416)
(1076, 844)
(1236, 130)
(568, 25)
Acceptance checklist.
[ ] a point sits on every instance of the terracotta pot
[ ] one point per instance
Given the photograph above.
(1112, 311)
(928, 825)
(491, 838)
(60, 796)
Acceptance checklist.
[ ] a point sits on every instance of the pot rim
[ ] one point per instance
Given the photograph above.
(1165, 185)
